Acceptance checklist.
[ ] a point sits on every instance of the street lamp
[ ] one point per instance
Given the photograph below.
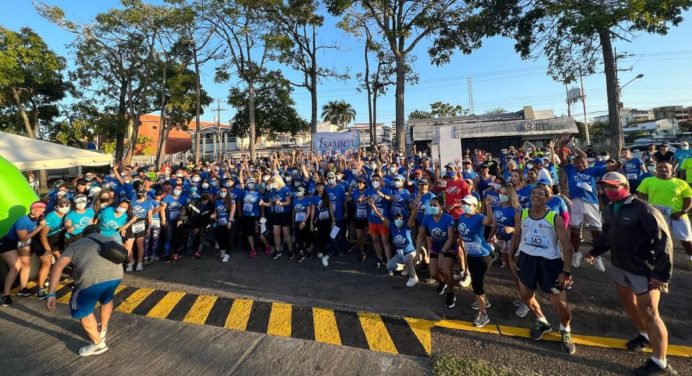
(620, 106)
(632, 80)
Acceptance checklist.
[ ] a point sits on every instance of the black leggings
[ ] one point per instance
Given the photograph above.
(478, 267)
(222, 234)
(302, 236)
(321, 238)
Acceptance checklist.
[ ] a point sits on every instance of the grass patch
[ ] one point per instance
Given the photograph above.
(450, 365)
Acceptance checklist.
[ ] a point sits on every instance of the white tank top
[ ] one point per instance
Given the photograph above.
(538, 236)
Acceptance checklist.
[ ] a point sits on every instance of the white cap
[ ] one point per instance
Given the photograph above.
(470, 199)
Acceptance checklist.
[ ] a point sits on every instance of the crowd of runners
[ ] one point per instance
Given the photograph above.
(523, 210)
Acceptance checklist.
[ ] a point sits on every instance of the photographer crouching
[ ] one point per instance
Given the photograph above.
(97, 264)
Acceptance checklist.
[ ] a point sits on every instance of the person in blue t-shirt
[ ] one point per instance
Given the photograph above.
(377, 230)
(404, 248)
(278, 200)
(250, 215)
(359, 199)
(224, 211)
(337, 199)
(142, 209)
(114, 221)
(302, 215)
(632, 168)
(470, 227)
(50, 242)
(14, 246)
(439, 232)
(77, 220)
(323, 221)
(174, 202)
(401, 199)
(155, 222)
(421, 206)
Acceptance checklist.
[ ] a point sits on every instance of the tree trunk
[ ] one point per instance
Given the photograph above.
(400, 117)
(251, 118)
(120, 131)
(373, 127)
(616, 134)
(133, 140)
(163, 138)
(313, 99)
(161, 150)
(369, 90)
(198, 106)
(23, 114)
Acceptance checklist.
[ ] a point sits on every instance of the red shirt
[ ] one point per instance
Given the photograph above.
(454, 192)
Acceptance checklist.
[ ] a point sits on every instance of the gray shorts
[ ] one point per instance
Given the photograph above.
(639, 284)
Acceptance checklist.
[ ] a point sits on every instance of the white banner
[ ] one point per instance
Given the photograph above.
(335, 141)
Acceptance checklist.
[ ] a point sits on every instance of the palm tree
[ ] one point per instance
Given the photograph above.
(339, 113)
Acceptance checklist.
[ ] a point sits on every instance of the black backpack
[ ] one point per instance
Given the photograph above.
(111, 251)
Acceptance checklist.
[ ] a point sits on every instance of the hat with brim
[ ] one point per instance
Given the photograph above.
(614, 178)
(469, 199)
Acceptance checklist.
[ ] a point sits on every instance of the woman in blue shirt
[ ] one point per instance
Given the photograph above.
(279, 200)
(404, 249)
(302, 212)
(471, 237)
(156, 222)
(77, 220)
(50, 242)
(439, 232)
(224, 210)
(420, 206)
(113, 222)
(323, 221)
(250, 215)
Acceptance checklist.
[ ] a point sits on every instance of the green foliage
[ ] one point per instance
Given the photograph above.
(449, 365)
(339, 113)
(496, 111)
(274, 108)
(439, 110)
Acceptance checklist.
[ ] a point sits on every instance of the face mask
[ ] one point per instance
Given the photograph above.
(355, 172)
(269, 186)
(398, 184)
(392, 170)
(331, 181)
(376, 184)
(205, 185)
(651, 169)
(617, 195)
(289, 178)
(193, 189)
(251, 186)
(684, 147)
(399, 223)
(265, 178)
(61, 193)
(228, 184)
(300, 194)
(373, 166)
(80, 206)
(467, 208)
(196, 179)
(450, 174)
(606, 157)
(121, 210)
(177, 192)
(223, 194)
(434, 210)
(127, 181)
(504, 198)
(180, 174)
(64, 209)
(497, 186)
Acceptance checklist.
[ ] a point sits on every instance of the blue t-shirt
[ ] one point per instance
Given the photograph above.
(438, 231)
(524, 196)
(504, 217)
(401, 201)
(54, 222)
(424, 206)
(23, 223)
(140, 209)
(126, 191)
(469, 175)
(337, 196)
(279, 195)
(221, 212)
(494, 196)
(583, 184)
(250, 200)
(109, 223)
(401, 237)
(300, 208)
(79, 221)
(633, 170)
(470, 230)
(381, 204)
(321, 211)
(361, 207)
(174, 205)
(681, 155)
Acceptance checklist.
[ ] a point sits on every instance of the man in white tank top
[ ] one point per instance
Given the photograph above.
(537, 242)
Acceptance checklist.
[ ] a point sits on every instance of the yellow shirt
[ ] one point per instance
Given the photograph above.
(687, 166)
(667, 195)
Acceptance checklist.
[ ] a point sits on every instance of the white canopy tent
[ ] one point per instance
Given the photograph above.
(29, 154)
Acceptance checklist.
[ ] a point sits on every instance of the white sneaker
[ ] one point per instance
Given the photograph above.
(129, 267)
(576, 259)
(92, 349)
(139, 268)
(319, 255)
(102, 334)
(412, 281)
(466, 281)
(522, 310)
(225, 258)
(598, 264)
(325, 261)
(222, 253)
(481, 321)
(517, 303)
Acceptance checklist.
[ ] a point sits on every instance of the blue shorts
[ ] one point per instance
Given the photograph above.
(83, 301)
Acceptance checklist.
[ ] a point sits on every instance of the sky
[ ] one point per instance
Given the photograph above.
(500, 78)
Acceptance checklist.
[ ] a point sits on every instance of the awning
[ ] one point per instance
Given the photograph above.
(29, 154)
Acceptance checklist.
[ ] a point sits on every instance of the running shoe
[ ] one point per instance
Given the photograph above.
(167, 259)
(146, 260)
(451, 300)
(390, 273)
(362, 257)
(650, 368)
(566, 344)
(252, 253)
(6, 301)
(325, 261)
(598, 264)
(277, 255)
(130, 267)
(637, 343)
(25, 293)
(412, 281)
(539, 329)
(474, 305)
(42, 294)
(196, 255)
(292, 256)
(319, 255)
(92, 349)
(404, 272)
(140, 267)
(465, 280)
(481, 321)
(267, 251)
(301, 258)
(441, 288)
(225, 258)
(522, 311)
(155, 258)
(576, 259)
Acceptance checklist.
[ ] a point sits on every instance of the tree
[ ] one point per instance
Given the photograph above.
(338, 113)
(577, 35)
(298, 22)
(403, 24)
(439, 110)
(419, 114)
(495, 111)
(274, 109)
(247, 34)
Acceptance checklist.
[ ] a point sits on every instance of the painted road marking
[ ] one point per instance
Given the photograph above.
(366, 330)
(325, 326)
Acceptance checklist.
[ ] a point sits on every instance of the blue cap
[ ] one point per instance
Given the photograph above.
(538, 160)
(544, 182)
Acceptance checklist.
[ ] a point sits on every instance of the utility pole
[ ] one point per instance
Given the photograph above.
(218, 128)
(583, 103)
(470, 90)
(569, 103)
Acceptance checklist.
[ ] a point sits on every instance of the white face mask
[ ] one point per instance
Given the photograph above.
(80, 206)
(223, 194)
(177, 192)
(376, 184)
(373, 166)
(504, 198)
(196, 179)
(180, 175)
(467, 208)
(331, 181)
(121, 210)
(398, 184)
(684, 147)
(497, 186)
(288, 179)
(61, 193)
(205, 186)
(64, 209)
(300, 194)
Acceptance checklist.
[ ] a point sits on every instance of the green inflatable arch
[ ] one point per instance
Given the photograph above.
(16, 197)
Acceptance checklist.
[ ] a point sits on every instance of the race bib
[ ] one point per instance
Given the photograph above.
(536, 240)
(247, 207)
(23, 244)
(585, 186)
(473, 248)
(324, 215)
(300, 217)
(138, 227)
(632, 176)
(361, 213)
(155, 222)
(222, 221)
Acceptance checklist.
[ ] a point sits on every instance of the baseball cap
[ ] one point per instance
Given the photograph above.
(544, 181)
(330, 174)
(398, 177)
(665, 144)
(361, 180)
(424, 181)
(449, 165)
(538, 160)
(469, 199)
(614, 178)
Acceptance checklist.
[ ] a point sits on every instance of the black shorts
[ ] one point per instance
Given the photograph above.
(535, 270)
(451, 255)
(361, 224)
(434, 255)
(56, 243)
(249, 225)
(131, 235)
(7, 245)
(281, 219)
